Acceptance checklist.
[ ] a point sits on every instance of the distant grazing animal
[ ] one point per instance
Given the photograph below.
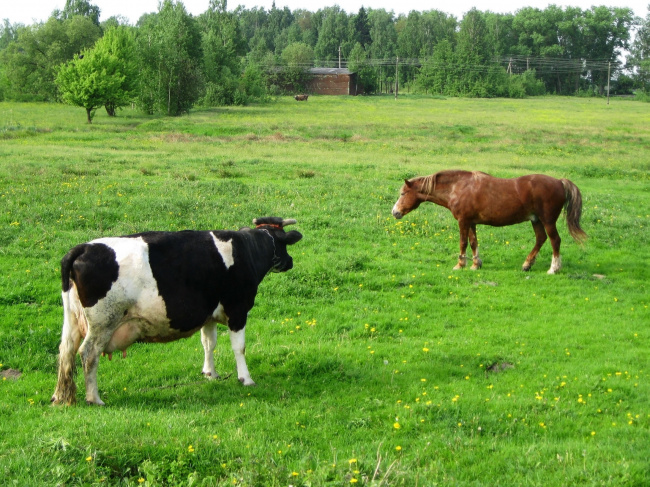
(301, 97)
(478, 198)
(162, 286)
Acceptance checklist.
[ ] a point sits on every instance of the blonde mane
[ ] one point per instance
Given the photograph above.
(428, 183)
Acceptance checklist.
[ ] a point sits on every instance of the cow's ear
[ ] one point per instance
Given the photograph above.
(292, 237)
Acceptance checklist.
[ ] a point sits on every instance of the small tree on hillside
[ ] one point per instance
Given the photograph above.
(118, 44)
(102, 76)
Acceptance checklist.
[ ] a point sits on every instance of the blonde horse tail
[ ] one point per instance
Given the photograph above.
(573, 210)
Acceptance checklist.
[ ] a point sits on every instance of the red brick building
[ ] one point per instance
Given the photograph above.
(332, 81)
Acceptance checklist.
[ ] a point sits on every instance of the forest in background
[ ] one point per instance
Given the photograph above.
(171, 61)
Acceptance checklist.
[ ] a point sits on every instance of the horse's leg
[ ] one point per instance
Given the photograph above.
(473, 243)
(556, 262)
(464, 231)
(540, 238)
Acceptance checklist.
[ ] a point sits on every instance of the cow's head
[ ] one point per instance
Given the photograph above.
(274, 226)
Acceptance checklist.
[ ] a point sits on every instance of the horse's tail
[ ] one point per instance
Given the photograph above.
(573, 210)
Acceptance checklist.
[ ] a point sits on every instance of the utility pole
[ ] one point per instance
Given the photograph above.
(609, 68)
(339, 57)
(396, 76)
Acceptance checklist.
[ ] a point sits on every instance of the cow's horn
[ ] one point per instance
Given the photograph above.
(289, 221)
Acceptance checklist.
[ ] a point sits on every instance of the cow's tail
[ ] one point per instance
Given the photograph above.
(66, 265)
(66, 389)
(573, 210)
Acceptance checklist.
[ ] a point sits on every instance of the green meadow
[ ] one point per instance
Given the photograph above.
(375, 363)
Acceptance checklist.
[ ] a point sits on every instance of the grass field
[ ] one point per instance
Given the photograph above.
(376, 364)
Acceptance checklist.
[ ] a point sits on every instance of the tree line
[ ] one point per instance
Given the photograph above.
(170, 61)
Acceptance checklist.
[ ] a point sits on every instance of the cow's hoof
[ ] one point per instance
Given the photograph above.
(248, 382)
(98, 402)
(211, 376)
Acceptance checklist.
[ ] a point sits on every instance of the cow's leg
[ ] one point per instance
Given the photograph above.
(463, 226)
(554, 236)
(238, 342)
(540, 238)
(473, 242)
(209, 341)
(66, 389)
(101, 326)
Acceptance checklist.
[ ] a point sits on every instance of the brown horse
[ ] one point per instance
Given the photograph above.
(478, 198)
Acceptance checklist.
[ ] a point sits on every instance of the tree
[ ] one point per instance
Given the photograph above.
(472, 54)
(118, 45)
(361, 28)
(438, 72)
(607, 31)
(332, 35)
(78, 7)
(222, 46)
(169, 48)
(84, 80)
(298, 58)
(639, 59)
(32, 58)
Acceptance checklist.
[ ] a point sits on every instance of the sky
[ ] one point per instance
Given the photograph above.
(31, 11)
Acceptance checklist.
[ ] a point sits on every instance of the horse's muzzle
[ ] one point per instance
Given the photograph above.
(397, 214)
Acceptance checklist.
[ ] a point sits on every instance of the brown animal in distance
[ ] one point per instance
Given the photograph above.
(301, 97)
(475, 197)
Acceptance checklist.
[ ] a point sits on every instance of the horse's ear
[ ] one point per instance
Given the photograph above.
(408, 183)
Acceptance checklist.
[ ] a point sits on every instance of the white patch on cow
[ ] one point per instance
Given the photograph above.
(131, 310)
(225, 250)
(238, 342)
(209, 341)
(220, 315)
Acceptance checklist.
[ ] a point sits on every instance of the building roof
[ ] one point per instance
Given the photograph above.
(330, 71)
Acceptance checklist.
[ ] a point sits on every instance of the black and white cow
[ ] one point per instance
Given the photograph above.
(162, 286)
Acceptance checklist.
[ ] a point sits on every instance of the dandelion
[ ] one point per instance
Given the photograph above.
(89, 459)
(295, 474)
(425, 349)
(398, 448)
(190, 449)
(353, 480)
(396, 426)
(140, 480)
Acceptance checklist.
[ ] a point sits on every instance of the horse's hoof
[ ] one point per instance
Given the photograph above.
(458, 267)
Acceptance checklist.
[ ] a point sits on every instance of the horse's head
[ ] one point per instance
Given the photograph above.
(409, 199)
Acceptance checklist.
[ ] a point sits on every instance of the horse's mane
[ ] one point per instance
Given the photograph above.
(428, 183)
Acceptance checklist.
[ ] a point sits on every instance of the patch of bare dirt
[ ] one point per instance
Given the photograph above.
(11, 374)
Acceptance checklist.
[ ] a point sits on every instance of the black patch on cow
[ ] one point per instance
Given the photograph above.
(190, 275)
(93, 268)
